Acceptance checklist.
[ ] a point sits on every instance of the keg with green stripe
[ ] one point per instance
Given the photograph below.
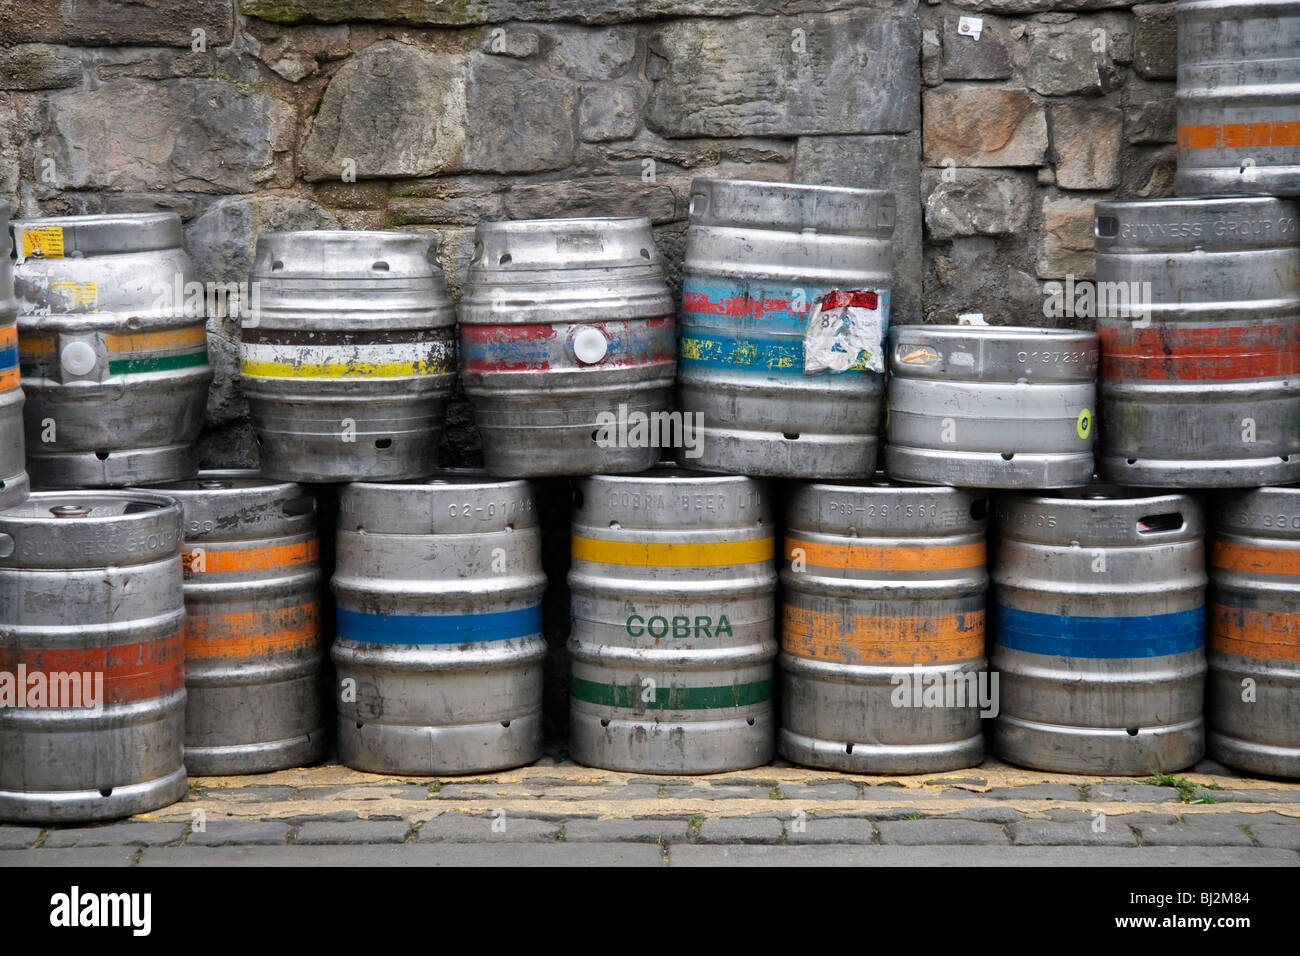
(350, 357)
(14, 484)
(113, 349)
(673, 642)
(438, 655)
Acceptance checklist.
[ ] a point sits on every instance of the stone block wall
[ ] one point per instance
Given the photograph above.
(253, 115)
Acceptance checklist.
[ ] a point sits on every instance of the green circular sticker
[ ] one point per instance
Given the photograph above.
(1084, 424)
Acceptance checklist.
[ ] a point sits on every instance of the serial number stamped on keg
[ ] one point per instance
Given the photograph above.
(1081, 357)
(940, 517)
(506, 507)
(1259, 519)
(1026, 519)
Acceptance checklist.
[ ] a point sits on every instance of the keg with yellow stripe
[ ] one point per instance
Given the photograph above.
(438, 588)
(113, 349)
(1253, 697)
(92, 684)
(672, 644)
(253, 643)
(882, 650)
(13, 476)
(350, 356)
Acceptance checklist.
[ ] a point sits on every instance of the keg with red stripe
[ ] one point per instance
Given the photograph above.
(882, 648)
(13, 477)
(568, 348)
(253, 643)
(1199, 322)
(1253, 692)
(1238, 88)
(92, 684)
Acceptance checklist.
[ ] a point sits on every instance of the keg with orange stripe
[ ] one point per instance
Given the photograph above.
(1238, 72)
(253, 643)
(113, 349)
(92, 684)
(1253, 696)
(13, 477)
(672, 645)
(1199, 322)
(882, 642)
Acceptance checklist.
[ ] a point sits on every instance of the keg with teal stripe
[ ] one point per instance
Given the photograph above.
(1098, 631)
(672, 648)
(439, 648)
(760, 259)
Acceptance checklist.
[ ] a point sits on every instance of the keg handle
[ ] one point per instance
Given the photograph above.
(1165, 523)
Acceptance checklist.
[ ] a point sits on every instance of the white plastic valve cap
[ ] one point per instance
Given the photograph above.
(590, 345)
(78, 358)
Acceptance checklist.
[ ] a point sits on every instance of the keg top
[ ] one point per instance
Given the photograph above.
(89, 529)
(454, 501)
(1271, 512)
(1236, 9)
(1237, 222)
(852, 508)
(564, 270)
(346, 254)
(993, 352)
(111, 234)
(668, 497)
(1100, 514)
(754, 204)
(238, 502)
(526, 245)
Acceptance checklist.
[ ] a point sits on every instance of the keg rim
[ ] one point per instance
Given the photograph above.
(808, 188)
(216, 474)
(349, 233)
(883, 483)
(670, 473)
(9, 516)
(503, 224)
(473, 477)
(98, 218)
(1100, 493)
(991, 331)
(1171, 202)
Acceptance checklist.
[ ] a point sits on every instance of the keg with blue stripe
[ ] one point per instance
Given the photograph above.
(761, 259)
(14, 485)
(438, 655)
(673, 644)
(1099, 631)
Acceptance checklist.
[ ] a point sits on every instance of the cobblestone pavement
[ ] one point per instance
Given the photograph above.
(557, 813)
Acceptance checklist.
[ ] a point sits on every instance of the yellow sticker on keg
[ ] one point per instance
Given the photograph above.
(1084, 425)
(45, 242)
(77, 293)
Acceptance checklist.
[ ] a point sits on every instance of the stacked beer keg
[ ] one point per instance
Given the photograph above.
(743, 580)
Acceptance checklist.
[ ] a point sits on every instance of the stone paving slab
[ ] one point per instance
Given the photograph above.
(18, 838)
(408, 854)
(329, 813)
(977, 856)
